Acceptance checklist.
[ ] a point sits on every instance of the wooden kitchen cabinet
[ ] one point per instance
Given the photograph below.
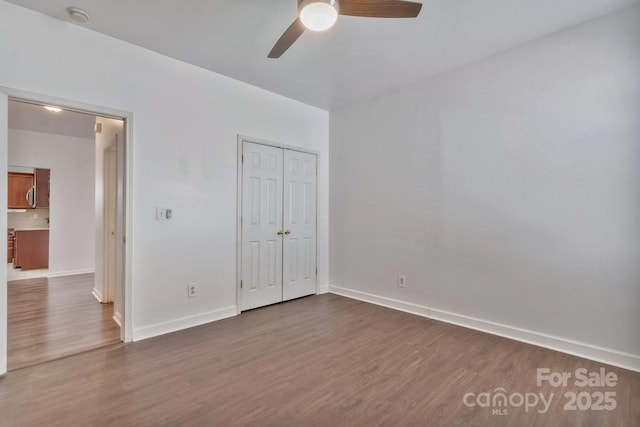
(31, 249)
(42, 177)
(18, 187)
(9, 245)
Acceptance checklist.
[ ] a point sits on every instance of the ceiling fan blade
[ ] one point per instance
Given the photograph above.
(285, 41)
(380, 8)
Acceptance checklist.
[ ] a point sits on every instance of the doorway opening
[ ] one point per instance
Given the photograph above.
(72, 297)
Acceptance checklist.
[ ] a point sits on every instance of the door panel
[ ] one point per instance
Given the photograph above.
(261, 220)
(299, 219)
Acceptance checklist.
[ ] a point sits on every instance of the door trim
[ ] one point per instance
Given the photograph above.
(241, 139)
(109, 212)
(126, 330)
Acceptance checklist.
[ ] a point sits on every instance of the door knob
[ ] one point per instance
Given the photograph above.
(287, 232)
(279, 233)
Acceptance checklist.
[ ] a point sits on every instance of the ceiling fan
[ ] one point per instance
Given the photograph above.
(320, 15)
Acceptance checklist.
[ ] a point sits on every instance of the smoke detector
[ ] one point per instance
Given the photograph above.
(78, 14)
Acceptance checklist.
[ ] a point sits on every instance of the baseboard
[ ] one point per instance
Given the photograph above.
(117, 318)
(183, 323)
(323, 289)
(575, 348)
(97, 294)
(70, 272)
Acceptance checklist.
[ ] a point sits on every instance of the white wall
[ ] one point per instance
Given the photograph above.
(72, 211)
(3, 224)
(507, 191)
(185, 127)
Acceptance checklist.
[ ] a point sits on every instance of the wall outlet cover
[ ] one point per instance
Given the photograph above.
(191, 290)
(402, 281)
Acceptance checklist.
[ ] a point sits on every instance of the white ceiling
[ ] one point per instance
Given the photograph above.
(35, 118)
(358, 58)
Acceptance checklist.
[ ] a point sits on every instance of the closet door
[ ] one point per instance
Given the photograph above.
(262, 172)
(299, 224)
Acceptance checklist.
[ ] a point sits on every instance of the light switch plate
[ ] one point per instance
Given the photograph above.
(161, 214)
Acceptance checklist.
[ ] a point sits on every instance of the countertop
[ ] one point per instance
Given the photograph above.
(31, 229)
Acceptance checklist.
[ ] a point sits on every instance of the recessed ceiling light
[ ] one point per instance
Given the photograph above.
(78, 14)
(53, 109)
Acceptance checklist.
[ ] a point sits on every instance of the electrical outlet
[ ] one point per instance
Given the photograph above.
(402, 280)
(191, 290)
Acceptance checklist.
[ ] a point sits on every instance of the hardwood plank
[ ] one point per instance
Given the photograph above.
(317, 361)
(49, 318)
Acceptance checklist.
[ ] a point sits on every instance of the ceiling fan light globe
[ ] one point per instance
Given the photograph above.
(318, 15)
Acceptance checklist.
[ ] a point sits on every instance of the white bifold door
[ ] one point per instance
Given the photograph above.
(278, 225)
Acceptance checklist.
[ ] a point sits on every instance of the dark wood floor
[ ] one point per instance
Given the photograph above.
(49, 318)
(318, 361)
